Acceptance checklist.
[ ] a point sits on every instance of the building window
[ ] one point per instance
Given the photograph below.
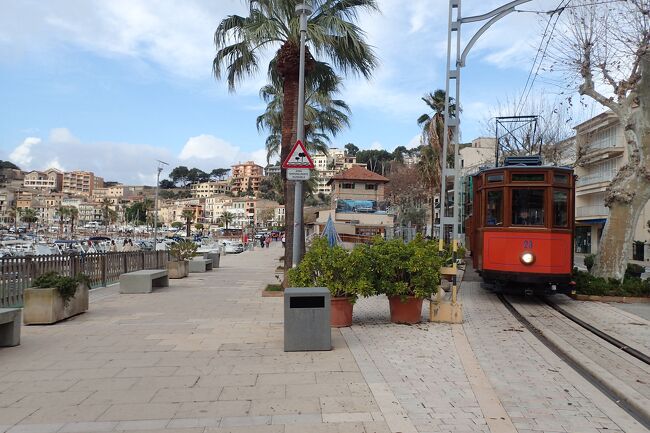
(347, 186)
(528, 207)
(528, 177)
(494, 214)
(560, 208)
(371, 186)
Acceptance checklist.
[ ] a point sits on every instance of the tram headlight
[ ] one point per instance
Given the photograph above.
(527, 258)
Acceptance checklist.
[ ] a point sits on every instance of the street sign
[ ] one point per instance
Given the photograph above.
(297, 174)
(298, 157)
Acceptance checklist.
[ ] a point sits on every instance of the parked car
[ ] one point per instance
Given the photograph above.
(233, 247)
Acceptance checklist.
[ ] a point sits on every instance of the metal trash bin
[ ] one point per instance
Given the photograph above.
(307, 319)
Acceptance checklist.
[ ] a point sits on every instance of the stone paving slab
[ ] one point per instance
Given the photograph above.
(205, 354)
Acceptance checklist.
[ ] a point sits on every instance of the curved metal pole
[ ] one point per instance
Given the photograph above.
(494, 12)
(479, 33)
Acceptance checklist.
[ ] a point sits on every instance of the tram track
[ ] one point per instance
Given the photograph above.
(614, 379)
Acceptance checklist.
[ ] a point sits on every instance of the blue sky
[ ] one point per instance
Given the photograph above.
(111, 86)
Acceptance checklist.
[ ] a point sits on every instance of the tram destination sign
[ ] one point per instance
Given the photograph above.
(298, 174)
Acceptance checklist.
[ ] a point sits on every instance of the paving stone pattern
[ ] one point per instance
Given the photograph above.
(534, 392)
(203, 355)
(625, 326)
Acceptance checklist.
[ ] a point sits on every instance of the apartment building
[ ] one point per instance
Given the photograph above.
(246, 177)
(48, 180)
(170, 211)
(215, 206)
(7, 198)
(600, 143)
(327, 166)
(79, 183)
(209, 189)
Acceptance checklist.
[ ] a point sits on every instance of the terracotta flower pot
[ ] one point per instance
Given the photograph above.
(340, 312)
(409, 311)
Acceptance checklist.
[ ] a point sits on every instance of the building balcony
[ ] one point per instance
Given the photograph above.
(587, 212)
(595, 178)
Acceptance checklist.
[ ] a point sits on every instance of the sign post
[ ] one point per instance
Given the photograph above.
(298, 164)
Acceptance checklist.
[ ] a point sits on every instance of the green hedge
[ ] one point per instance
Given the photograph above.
(587, 284)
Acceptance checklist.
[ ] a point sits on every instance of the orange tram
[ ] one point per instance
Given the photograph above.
(521, 226)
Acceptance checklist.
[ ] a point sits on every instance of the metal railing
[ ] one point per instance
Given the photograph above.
(592, 211)
(18, 273)
(595, 178)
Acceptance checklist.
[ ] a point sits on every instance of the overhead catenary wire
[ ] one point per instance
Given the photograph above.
(541, 53)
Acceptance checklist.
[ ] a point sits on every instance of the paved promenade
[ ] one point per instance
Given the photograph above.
(206, 355)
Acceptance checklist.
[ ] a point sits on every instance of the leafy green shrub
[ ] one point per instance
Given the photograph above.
(66, 286)
(589, 261)
(634, 270)
(183, 250)
(587, 284)
(401, 269)
(325, 266)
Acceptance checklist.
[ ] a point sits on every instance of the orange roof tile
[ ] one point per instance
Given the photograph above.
(359, 173)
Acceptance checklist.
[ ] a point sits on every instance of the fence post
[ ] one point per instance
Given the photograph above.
(102, 260)
(126, 269)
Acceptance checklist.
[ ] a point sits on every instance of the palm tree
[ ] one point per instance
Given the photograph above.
(270, 24)
(13, 216)
(28, 215)
(429, 168)
(188, 215)
(73, 213)
(433, 124)
(324, 116)
(226, 218)
(62, 211)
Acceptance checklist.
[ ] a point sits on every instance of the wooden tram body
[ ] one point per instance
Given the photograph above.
(521, 227)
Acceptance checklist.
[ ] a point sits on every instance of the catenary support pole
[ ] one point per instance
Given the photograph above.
(304, 11)
(155, 204)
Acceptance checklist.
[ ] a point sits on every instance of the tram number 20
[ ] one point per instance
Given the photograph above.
(528, 244)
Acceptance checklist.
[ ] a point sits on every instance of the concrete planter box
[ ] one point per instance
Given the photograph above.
(45, 306)
(178, 269)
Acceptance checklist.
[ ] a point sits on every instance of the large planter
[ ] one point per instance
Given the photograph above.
(45, 306)
(341, 312)
(408, 311)
(178, 269)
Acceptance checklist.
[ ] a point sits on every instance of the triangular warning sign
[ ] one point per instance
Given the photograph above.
(298, 157)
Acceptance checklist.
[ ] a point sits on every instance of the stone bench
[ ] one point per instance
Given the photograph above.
(200, 265)
(143, 281)
(10, 322)
(215, 256)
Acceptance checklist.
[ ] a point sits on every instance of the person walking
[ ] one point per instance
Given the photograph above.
(268, 241)
(113, 247)
(262, 241)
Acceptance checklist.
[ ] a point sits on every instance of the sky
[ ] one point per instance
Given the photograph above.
(112, 86)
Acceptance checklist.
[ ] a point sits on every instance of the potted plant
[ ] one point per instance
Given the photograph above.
(338, 270)
(406, 274)
(182, 252)
(54, 298)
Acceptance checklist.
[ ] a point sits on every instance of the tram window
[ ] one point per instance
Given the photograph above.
(528, 177)
(494, 209)
(561, 178)
(560, 208)
(493, 178)
(528, 207)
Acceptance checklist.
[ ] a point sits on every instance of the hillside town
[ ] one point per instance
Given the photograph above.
(383, 195)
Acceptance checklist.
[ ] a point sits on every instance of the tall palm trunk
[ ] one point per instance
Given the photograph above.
(288, 63)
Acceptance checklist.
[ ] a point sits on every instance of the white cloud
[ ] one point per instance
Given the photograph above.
(208, 147)
(55, 164)
(22, 154)
(62, 135)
